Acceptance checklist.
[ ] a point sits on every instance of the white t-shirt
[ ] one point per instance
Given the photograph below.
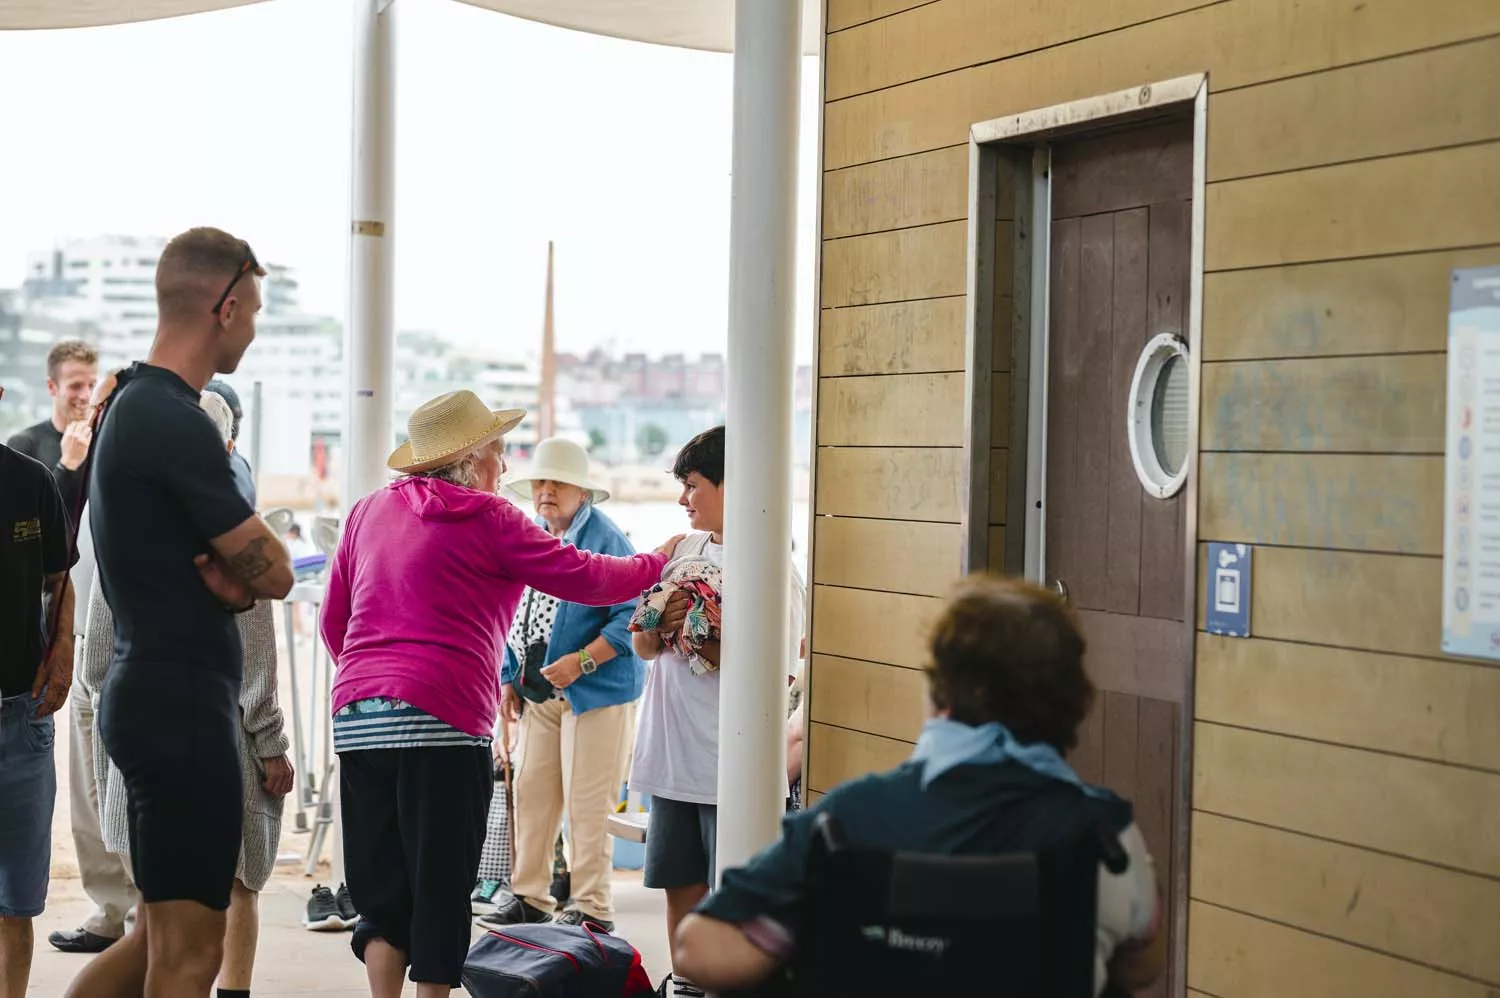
(1127, 903)
(677, 735)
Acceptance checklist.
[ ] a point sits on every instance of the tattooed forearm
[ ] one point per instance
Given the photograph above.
(254, 561)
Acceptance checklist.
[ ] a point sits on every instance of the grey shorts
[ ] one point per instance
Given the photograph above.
(28, 791)
(680, 844)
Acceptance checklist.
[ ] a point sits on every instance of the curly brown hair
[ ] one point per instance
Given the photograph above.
(1009, 651)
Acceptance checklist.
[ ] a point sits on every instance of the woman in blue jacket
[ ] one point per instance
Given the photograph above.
(572, 677)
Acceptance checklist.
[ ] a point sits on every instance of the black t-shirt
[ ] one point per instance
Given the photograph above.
(161, 488)
(35, 541)
(44, 442)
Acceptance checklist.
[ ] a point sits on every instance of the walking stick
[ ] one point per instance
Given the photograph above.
(510, 796)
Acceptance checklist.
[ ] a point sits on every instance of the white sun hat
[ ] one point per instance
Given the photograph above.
(445, 428)
(557, 459)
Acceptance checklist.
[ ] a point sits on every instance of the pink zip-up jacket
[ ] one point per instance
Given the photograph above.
(425, 583)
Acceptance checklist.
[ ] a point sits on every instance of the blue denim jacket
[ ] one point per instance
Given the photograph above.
(621, 679)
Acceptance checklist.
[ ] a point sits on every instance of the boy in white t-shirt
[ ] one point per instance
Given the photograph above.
(677, 735)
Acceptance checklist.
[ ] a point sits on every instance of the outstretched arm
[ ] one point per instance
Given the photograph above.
(541, 561)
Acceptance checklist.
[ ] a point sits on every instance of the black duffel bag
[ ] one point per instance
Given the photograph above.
(547, 960)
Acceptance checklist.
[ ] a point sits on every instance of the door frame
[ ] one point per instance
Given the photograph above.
(1016, 148)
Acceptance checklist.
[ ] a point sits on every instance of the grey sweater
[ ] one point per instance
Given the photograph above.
(261, 737)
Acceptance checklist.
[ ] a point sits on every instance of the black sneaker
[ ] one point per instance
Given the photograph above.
(323, 912)
(483, 900)
(511, 910)
(345, 906)
(574, 916)
(562, 887)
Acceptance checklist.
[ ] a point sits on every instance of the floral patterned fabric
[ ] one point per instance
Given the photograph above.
(703, 581)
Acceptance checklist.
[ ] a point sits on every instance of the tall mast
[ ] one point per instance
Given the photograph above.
(547, 418)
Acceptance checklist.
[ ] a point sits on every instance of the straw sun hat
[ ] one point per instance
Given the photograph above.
(443, 429)
(557, 460)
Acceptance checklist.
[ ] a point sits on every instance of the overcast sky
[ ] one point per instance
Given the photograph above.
(509, 134)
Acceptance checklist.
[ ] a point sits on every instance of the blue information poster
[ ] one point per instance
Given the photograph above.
(1228, 596)
(1471, 507)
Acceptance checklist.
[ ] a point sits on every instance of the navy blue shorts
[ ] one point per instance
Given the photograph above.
(28, 791)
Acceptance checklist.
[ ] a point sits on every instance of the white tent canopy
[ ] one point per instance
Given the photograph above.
(695, 24)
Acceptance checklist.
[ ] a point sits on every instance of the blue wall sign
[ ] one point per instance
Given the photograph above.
(1228, 596)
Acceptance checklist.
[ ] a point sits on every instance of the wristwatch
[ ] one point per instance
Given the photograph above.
(586, 662)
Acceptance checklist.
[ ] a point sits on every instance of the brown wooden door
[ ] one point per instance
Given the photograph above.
(1121, 210)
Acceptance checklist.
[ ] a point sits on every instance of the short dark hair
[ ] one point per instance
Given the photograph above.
(703, 454)
(70, 350)
(1009, 651)
(195, 264)
(229, 395)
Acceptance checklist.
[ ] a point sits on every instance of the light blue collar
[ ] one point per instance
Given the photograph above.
(570, 536)
(946, 744)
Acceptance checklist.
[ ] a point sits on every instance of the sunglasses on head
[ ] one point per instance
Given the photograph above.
(248, 265)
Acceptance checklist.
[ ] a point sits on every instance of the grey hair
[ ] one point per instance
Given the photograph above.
(464, 471)
(218, 410)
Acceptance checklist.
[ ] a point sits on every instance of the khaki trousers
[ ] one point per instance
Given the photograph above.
(105, 879)
(571, 763)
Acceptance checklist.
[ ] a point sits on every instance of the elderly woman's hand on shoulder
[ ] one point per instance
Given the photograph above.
(671, 545)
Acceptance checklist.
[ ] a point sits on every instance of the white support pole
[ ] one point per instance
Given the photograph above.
(370, 338)
(758, 474)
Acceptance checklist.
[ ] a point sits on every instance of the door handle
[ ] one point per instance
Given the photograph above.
(1061, 588)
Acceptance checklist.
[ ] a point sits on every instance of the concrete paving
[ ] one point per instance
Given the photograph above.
(293, 962)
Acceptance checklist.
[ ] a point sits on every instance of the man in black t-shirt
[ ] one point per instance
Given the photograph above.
(61, 441)
(179, 552)
(36, 667)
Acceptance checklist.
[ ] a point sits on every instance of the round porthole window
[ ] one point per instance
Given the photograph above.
(1158, 417)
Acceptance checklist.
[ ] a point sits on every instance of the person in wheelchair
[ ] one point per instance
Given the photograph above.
(987, 780)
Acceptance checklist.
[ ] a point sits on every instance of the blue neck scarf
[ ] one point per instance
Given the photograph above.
(945, 744)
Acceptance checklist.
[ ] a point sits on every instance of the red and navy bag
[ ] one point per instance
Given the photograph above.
(547, 960)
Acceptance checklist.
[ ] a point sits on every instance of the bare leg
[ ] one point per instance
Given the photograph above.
(385, 968)
(16, 941)
(185, 949)
(680, 903)
(241, 934)
(118, 972)
(433, 991)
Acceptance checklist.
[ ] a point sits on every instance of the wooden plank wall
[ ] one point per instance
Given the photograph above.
(1346, 776)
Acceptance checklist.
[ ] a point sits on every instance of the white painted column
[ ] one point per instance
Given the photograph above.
(369, 339)
(758, 473)
(370, 334)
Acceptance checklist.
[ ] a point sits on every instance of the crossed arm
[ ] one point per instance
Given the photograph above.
(248, 563)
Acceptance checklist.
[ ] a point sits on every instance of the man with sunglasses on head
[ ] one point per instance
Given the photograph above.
(179, 551)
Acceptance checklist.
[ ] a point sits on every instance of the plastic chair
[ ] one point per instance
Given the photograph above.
(280, 519)
(325, 533)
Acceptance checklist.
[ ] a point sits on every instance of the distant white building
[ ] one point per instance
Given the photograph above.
(110, 282)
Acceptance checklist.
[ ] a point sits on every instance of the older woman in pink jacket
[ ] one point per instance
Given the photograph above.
(420, 597)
